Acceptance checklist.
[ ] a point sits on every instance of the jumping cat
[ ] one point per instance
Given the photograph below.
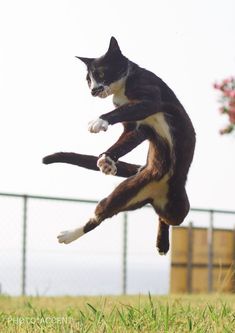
(149, 110)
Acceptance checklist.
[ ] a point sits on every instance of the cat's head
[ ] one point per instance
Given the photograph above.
(106, 74)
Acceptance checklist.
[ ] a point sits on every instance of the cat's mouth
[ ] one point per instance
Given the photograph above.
(101, 91)
(97, 90)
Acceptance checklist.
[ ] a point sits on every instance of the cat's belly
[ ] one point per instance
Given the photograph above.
(155, 190)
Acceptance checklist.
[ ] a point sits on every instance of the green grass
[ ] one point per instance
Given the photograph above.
(205, 313)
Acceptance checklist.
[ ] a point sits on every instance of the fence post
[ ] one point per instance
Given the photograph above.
(124, 255)
(24, 245)
(233, 266)
(210, 251)
(190, 257)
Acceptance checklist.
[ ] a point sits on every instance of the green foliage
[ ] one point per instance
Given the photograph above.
(199, 314)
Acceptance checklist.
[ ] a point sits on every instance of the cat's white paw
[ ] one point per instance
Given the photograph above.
(107, 165)
(95, 126)
(69, 236)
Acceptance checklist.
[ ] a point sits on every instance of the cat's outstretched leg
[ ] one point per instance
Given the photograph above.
(69, 236)
(128, 195)
(108, 162)
(86, 161)
(123, 169)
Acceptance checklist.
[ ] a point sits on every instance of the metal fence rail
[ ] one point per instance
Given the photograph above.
(26, 199)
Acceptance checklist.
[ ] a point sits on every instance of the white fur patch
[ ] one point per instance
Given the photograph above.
(118, 88)
(157, 190)
(161, 253)
(120, 98)
(94, 84)
(107, 165)
(158, 122)
(95, 126)
(69, 236)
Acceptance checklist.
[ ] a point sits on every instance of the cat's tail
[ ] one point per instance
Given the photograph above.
(90, 162)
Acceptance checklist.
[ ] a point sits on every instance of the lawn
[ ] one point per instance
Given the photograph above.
(184, 313)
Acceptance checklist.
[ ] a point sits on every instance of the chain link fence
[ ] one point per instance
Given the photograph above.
(118, 257)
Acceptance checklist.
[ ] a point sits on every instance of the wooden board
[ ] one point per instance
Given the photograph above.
(223, 260)
(199, 246)
(223, 247)
(223, 280)
(200, 280)
(178, 280)
(179, 243)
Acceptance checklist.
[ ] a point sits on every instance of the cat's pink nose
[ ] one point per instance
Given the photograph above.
(95, 91)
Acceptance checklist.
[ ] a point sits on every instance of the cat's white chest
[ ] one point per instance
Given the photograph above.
(119, 98)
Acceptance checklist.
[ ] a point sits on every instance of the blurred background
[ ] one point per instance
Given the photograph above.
(45, 107)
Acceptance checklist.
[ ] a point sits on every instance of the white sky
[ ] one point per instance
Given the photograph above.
(45, 103)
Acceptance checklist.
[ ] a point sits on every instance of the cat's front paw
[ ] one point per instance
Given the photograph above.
(95, 126)
(107, 165)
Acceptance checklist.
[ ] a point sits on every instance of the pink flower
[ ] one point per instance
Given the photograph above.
(231, 113)
(226, 81)
(227, 93)
(216, 86)
(232, 102)
(227, 102)
(232, 93)
(232, 118)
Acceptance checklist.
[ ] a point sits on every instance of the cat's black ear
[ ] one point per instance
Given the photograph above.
(86, 61)
(113, 45)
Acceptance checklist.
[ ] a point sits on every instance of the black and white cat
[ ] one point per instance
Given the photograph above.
(148, 110)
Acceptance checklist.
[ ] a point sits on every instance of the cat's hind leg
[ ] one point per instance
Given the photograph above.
(69, 236)
(163, 237)
(124, 197)
(173, 214)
